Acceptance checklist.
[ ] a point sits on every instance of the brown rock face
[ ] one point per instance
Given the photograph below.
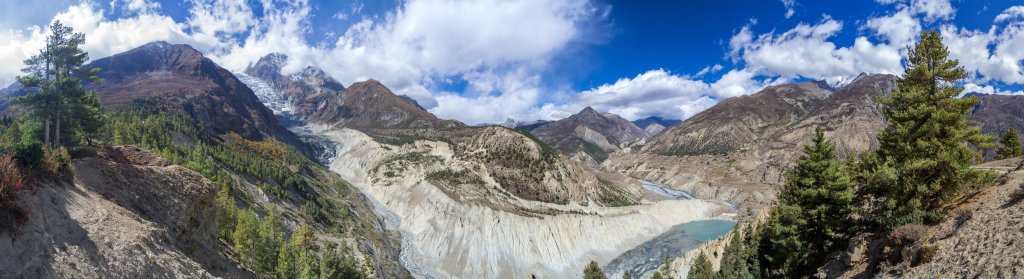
(589, 134)
(739, 149)
(371, 105)
(178, 77)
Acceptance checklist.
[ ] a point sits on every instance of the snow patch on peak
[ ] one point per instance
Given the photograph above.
(268, 95)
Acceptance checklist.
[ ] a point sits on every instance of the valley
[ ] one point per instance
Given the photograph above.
(233, 149)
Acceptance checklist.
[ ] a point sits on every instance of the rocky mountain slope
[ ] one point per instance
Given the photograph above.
(589, 136)
(998, 113)
(981, 237)
(303, 92)
(738, 150)
(178, 77)
(370, 105)
(127, 212)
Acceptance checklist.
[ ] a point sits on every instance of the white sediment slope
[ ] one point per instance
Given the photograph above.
(445, 238)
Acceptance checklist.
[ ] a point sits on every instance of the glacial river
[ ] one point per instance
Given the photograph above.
(644, 259)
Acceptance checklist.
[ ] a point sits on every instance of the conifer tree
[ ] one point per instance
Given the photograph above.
(1010, 145)
(702, 269)
(593, 271)
(245, 237)
(812, 216)
(924, 159)
(61, 103)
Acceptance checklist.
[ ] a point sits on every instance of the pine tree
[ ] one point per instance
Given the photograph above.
(812, 216)
(245, 237)
(227, 211)
(627, 275)
(270, 239)
(61, 103)
(1010, 145)
(702, 269)
(593, 271)
(924, 159)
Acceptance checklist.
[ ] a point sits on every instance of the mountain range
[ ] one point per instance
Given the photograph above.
(444, 190)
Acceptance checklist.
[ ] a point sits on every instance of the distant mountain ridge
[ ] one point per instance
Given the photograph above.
(743, 145)
(371, 105)
(589, 136)
(655, 124)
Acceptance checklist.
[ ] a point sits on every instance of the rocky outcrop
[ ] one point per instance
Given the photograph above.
(128, 213)
(451, 236)
(496, 166)
(589, 136)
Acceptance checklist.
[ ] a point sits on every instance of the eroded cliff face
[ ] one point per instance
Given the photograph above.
(454, 232)
(127, 213)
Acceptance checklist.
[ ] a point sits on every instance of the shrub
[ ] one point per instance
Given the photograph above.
(927, 253)
(28, 153)
(907, 235)
(57, 161)
(11, 182)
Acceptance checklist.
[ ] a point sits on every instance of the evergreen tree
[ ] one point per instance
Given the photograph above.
(270, 239)
(924, 159)
(227, 212)
(1010, 145)
(61, 103)
(702, 269)
(812, 216)
(245, 237)
(593, 271)
(627, 275)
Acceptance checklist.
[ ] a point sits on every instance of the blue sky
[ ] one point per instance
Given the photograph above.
(487, 60)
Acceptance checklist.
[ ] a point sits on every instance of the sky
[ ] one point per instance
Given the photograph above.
(484, 61)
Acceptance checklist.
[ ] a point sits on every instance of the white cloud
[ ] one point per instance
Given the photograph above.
(1015, 12)
(992, 55)
(931, 9)
(806, 51)
(898, 29)
(988, 89)
(790, 5)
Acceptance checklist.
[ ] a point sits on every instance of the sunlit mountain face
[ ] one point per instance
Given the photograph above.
(511, 139)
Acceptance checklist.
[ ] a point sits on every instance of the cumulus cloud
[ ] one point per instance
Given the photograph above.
(931, 9)
(1015, 12)
(806, 51)
(992, 55)
(988, 89)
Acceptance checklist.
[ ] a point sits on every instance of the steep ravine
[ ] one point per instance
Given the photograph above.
(445, 238)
